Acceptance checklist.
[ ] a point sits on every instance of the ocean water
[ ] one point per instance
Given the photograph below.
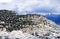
(55, 18)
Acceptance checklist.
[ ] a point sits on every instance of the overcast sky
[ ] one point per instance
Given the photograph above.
(32, 6)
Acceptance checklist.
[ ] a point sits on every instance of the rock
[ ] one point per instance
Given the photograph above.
(33, 24)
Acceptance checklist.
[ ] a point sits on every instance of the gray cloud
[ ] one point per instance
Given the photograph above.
(33, 6)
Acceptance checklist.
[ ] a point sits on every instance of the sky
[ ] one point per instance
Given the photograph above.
(43, 7)
(32, 6)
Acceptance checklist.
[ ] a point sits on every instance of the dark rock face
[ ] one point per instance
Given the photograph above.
(6, 19)
(11, 21)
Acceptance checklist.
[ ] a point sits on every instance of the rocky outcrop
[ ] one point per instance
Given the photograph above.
(33, 24)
